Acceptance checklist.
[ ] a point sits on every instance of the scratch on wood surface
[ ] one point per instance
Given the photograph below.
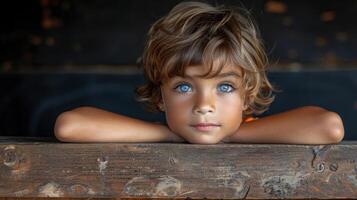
(102, 165)
(320, 153)
(173, 158)
(51, 189)
(136, 149)
(244, 173)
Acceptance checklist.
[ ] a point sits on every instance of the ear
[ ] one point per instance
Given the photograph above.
(245, 103)
(161, 107)
(245, 107)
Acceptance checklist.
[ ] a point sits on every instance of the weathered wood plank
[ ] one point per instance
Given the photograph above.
(42, 167)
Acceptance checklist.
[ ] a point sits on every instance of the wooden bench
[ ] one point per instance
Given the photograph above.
(45, 167)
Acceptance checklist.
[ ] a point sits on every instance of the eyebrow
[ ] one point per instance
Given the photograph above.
(222, 75)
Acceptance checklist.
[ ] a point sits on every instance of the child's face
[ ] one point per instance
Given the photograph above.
(189, 101)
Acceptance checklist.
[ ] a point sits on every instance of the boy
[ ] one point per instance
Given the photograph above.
(205, 68)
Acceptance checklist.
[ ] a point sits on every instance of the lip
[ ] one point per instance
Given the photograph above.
(204, 127)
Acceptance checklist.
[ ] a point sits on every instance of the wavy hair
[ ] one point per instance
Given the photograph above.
(197, 33)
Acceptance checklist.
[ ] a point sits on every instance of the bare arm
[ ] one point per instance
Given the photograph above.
(89, 124)
(305, 125)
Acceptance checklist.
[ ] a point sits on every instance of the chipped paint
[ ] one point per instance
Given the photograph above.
(102, 165)
(230, 180)
(91, 191)
(79, 189)
(233, 180)
(139, 186)
(9, 147)
(158, 186)
(244, 173)
(147, 169)
(21, 192)
(352, 179)
(51, 189)
(282, 186)
(327, 178)
(168, 186)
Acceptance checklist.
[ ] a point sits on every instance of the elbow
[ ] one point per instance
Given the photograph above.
(64, 126)
(334, 127)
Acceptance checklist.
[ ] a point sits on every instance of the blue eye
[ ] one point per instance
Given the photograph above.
(183, 88)
(225, 88)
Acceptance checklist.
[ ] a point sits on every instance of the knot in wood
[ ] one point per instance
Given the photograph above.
(334, 167)
(320, 167)
(10, 156)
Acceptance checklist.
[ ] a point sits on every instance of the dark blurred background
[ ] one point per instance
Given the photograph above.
(59, 54)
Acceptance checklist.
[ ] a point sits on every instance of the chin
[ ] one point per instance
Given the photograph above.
(204, 141)
(198, 138)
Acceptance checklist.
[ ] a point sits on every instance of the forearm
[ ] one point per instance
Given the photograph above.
(88, 124)
(306, 125)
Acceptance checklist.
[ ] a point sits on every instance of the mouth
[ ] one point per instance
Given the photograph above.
(205, 127)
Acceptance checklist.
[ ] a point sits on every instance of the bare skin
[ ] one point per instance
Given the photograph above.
(305, 125)
(204, 110)
(192, 100)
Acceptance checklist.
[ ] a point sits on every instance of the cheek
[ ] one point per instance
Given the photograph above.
(230, 110)
(177, 111)
(230, 103)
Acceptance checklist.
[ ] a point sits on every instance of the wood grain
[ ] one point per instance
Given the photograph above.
(40, 167)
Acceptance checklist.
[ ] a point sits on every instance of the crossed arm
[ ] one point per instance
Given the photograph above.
(305, 125)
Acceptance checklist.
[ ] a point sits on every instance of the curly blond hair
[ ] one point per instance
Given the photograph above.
(196, 33)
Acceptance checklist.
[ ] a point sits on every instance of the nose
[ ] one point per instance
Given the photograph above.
(205, 103)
